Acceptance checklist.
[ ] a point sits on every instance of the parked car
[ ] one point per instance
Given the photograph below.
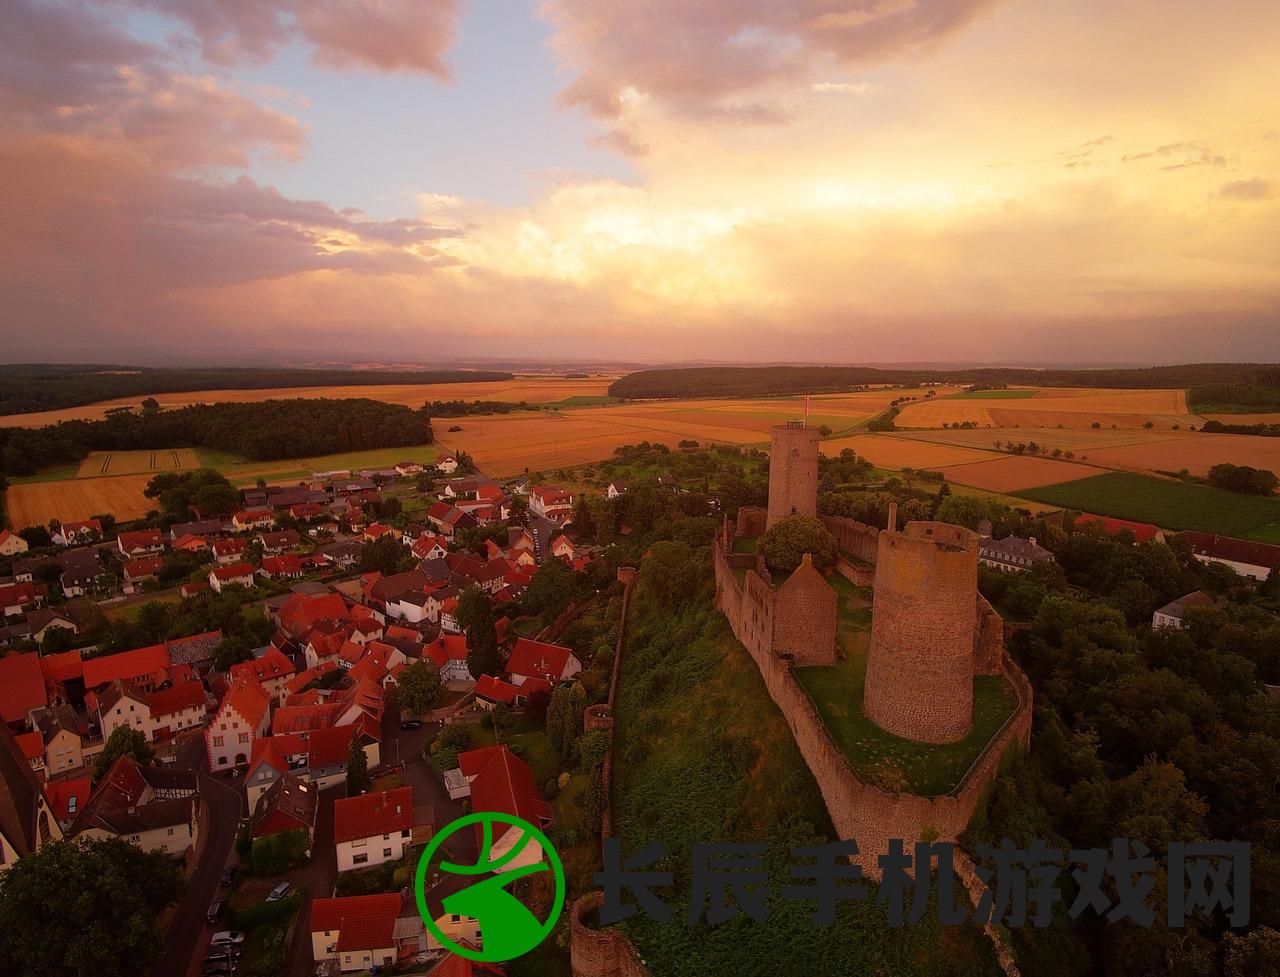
(228, 876)
(279, 892)
(227, 937)
(216, 909)
(411, 724)
(222, 969)
(222, 954)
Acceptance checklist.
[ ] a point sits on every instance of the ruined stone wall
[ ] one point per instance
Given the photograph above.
(855, 538)
(599, 952)
(870, 815)
(921, 660)
(804, 618)
(793, 472)
(988, 645)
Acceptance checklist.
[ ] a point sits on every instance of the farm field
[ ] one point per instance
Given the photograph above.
(1073, 408)
(1193, 451)
(1068, 439)
(1011, 394)
(1015, 472)
(1166, 503)
(535, 390)
(240, 472)
(100, 463)
(886, 451)
(35, 503)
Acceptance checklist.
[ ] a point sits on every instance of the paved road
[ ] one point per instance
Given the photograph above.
(544, 531)
(189, 933)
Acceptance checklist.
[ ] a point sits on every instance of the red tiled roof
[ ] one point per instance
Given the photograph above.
(1236, 550)
(473, 761)
(143, 539)
(293, 719)
(63, 666)
(134, 664)
(282, 564)
(495, 690)
(505, 784)
(249, 699)
(362, 922)
(224, 547)
(166, 702)
(233, 570)
(1143, 532)
(300, 612)
(268, 749)
(31, 745)
(377, 813)
(446, 648)
(273, 664)
(143, 566)
(304, 678)
(538, 659)
(61, 793)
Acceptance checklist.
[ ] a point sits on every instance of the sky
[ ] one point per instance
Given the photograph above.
(846, 181)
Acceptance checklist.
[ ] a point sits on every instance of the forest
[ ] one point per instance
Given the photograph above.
(27, 387)
(265, 431)
(767, 381)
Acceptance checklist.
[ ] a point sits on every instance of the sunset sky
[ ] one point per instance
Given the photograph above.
(656, 180)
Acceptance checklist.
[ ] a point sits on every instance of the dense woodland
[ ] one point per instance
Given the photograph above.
(1219, 379)
(264, 431)
(26, 387)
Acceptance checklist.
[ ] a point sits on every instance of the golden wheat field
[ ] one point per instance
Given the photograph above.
(1195, 452)
(1014, 473)
(1075, 440)
(35, 503)
(534, 390)
(886, 451)
(100, 463)
(1046, 408)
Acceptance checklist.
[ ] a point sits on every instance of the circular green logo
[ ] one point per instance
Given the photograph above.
(508, 928)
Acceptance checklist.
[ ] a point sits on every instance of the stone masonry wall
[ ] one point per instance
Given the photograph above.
(920, 664)
(868, 814)
(804, 617)
(854, 537)
(599, 952)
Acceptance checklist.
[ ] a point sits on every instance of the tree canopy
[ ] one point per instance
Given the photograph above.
(784, 546)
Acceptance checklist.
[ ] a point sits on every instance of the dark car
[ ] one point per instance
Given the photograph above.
(228, 876)
(215, 911)
(220, 968)
(411, 724)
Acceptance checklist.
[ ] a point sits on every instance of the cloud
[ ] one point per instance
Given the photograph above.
(844, 87)
(1255, 189)
(383, 35)
(714, 58)
(1183, 155)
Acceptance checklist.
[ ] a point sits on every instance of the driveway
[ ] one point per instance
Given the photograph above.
(189, 933)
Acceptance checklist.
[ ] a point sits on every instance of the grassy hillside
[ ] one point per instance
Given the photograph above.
(703, 755)
(1171, 505)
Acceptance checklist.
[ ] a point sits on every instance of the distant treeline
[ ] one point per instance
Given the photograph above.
(766, 381)
(27, 387)
(464, 408)
(264, 431)
(1258, 430)
(1261, 392)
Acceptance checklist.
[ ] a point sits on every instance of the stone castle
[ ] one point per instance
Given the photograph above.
(931, 633)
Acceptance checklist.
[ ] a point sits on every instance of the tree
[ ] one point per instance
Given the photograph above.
(784, 546)
(475, 617)
(358, 779)
(123, 741)
(564, 718)
(670, 572)
(86, 908)
(231, 650)
(385, 555)
(550, 591)
(419, 688)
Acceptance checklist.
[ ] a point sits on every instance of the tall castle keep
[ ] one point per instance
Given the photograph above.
(924, 625)
(793, 472)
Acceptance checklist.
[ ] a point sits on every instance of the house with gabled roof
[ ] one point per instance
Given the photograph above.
(231, 575)
(22, 687)
(229, 550)
(449, 655)
(243, 717)
(155, 808)
(1247, 558)
(372, 828)
(62, 738)
(146, 667)
(355, 932)
(67, 797)
(247, 519)
(74, 532)
(500, 782)
(270, 670)
(538, 659)
(290, 804)
(145, 542)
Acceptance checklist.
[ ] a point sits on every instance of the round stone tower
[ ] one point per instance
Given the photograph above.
(923, 622)
(793, 472)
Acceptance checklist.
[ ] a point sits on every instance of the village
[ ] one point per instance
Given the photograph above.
(278, 778)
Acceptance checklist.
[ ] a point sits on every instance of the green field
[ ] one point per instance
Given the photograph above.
(996, 395)
(241, 472)
(584, 400)
(1169, 504)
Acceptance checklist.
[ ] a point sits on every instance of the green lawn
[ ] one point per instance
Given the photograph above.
(1172, 505)
(996, 395)
(55, 474)
(585, 400)
(241, 472)
(882, 758)
(535, 749)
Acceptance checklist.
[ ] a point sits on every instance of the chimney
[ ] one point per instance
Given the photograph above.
(893, 517)
(1032, 541)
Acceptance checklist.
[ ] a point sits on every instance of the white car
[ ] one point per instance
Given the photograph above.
(227, 938)
(279, 892)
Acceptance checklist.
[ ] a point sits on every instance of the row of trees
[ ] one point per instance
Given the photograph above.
(267, 430)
